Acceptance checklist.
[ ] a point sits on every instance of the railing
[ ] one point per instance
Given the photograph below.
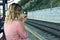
(48, 27)
(51, 15)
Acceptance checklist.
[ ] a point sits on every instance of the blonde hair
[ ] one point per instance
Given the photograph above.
(13, 13)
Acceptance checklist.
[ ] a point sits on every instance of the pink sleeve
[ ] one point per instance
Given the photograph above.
(21, 31)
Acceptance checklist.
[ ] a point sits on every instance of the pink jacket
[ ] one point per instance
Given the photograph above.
(15, 31)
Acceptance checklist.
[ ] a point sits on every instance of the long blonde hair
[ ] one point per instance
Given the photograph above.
(13, 13)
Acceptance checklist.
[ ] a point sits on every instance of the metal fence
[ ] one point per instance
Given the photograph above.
(51, 15)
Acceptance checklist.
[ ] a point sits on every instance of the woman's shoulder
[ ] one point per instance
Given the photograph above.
(15, 23)
(18, 22)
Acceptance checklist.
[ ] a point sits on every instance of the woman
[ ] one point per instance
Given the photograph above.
(13, 27)
(24, 17)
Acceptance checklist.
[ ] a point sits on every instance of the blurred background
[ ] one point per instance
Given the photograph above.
(43, 21)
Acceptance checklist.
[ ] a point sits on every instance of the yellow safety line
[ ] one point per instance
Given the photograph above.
(33, 33)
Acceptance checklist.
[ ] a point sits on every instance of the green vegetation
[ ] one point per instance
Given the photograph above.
(31, 5)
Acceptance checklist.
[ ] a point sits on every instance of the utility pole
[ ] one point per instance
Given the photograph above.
(3, 9)
(51, 2)
(4, 2)
(51, 5)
